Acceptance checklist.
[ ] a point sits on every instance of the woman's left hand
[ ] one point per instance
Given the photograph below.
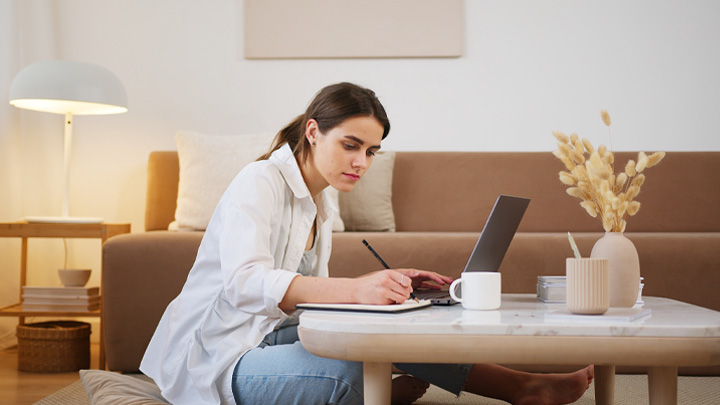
(425, 279)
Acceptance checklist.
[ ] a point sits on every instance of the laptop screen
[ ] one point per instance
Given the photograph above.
(497, 233)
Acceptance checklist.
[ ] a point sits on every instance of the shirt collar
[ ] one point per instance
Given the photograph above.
(288, 165)
(290, 170)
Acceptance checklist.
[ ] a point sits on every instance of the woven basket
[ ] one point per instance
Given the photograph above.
(53, 347)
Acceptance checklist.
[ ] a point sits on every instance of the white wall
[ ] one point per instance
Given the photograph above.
(529, 67)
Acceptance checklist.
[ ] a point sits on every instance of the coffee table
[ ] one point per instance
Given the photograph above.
(520, 332)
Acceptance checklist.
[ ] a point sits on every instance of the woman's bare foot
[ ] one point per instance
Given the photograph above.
(407, 389)
(552, 389)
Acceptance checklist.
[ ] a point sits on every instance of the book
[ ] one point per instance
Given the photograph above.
(50, 300)
(67, 308)
(60, 291)
(408, 305)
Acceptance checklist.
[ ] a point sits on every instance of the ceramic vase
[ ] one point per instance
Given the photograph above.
(623, 268)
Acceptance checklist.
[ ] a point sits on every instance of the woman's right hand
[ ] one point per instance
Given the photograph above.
(382, 288)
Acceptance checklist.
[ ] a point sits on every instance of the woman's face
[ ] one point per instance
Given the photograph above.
(341, 155)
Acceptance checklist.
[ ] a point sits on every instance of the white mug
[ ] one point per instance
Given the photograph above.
(481, 290)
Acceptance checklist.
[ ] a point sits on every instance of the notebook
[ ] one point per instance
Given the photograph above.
(491, 246)
(408, 305)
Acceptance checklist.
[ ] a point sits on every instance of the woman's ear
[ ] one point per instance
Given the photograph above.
(311, 131)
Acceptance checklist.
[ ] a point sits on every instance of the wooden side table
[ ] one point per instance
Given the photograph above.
(25, 230)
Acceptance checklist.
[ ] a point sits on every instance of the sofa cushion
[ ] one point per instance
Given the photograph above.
(208, 163)
(455, 191)
(368, 207)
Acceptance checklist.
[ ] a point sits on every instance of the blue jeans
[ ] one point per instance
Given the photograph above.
(281, 371)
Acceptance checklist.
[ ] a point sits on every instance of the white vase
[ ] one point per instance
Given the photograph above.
(623, 268)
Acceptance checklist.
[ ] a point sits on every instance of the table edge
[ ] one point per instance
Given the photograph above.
(514, 349)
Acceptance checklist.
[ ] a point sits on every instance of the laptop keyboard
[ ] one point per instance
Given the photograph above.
(431, 294)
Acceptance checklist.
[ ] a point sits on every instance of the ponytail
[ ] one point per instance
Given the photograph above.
(291, 135)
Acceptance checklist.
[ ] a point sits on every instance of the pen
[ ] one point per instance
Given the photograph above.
(573, 246)
(382, 261)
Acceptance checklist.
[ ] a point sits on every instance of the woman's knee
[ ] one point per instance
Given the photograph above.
(263, 374)
(353, 371)
(339, 383)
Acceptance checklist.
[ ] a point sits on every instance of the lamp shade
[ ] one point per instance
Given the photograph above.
(63, 87)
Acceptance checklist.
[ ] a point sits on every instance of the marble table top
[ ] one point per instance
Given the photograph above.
(524, 315)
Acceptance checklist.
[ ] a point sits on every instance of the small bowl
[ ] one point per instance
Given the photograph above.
(74, 277)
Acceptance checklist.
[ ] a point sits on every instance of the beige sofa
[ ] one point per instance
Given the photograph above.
(441, 201)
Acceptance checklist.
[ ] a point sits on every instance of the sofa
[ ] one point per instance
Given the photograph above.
(440, 201)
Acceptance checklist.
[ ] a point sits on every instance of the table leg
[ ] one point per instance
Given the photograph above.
(377, 383)
(662, 385)
(605, 385)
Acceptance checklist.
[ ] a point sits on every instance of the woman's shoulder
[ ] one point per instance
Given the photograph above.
(260, 167)
(274, 175)
(266, 178)
(259, 172)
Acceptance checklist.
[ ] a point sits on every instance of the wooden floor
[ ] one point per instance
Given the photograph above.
(21, 388)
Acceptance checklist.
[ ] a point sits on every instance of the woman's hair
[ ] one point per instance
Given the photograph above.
(331, 107)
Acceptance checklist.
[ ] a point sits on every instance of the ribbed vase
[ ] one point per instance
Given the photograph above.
(623, 268)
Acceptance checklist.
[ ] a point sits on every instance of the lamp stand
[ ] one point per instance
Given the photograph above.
(66, 164)
(67, 153)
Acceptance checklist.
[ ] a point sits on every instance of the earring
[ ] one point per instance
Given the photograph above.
(313, 144)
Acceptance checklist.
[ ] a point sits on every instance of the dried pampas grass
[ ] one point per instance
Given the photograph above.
(590, 177)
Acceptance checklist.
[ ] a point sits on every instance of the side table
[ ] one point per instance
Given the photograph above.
(26, 230)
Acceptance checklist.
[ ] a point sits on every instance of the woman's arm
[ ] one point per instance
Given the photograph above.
(381, 287)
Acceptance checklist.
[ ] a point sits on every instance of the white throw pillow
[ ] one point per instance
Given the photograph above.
(208, 163)
(105, 387)
(368, 207)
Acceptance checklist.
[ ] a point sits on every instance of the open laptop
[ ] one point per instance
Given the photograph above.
(491, 246)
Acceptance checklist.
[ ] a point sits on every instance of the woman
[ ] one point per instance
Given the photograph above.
(230, 335)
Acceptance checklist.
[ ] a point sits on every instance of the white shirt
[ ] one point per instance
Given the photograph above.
(248, 256)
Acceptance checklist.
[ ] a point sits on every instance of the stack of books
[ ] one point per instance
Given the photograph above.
(70, 299)
(551, 289)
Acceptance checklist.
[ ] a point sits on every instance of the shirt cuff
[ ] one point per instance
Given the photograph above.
(278, 289)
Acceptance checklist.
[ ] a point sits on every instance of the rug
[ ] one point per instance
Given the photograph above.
(629, 389)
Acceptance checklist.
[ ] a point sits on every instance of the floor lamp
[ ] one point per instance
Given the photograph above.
(67, 88)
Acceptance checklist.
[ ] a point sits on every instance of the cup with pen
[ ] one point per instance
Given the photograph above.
(587, 283)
